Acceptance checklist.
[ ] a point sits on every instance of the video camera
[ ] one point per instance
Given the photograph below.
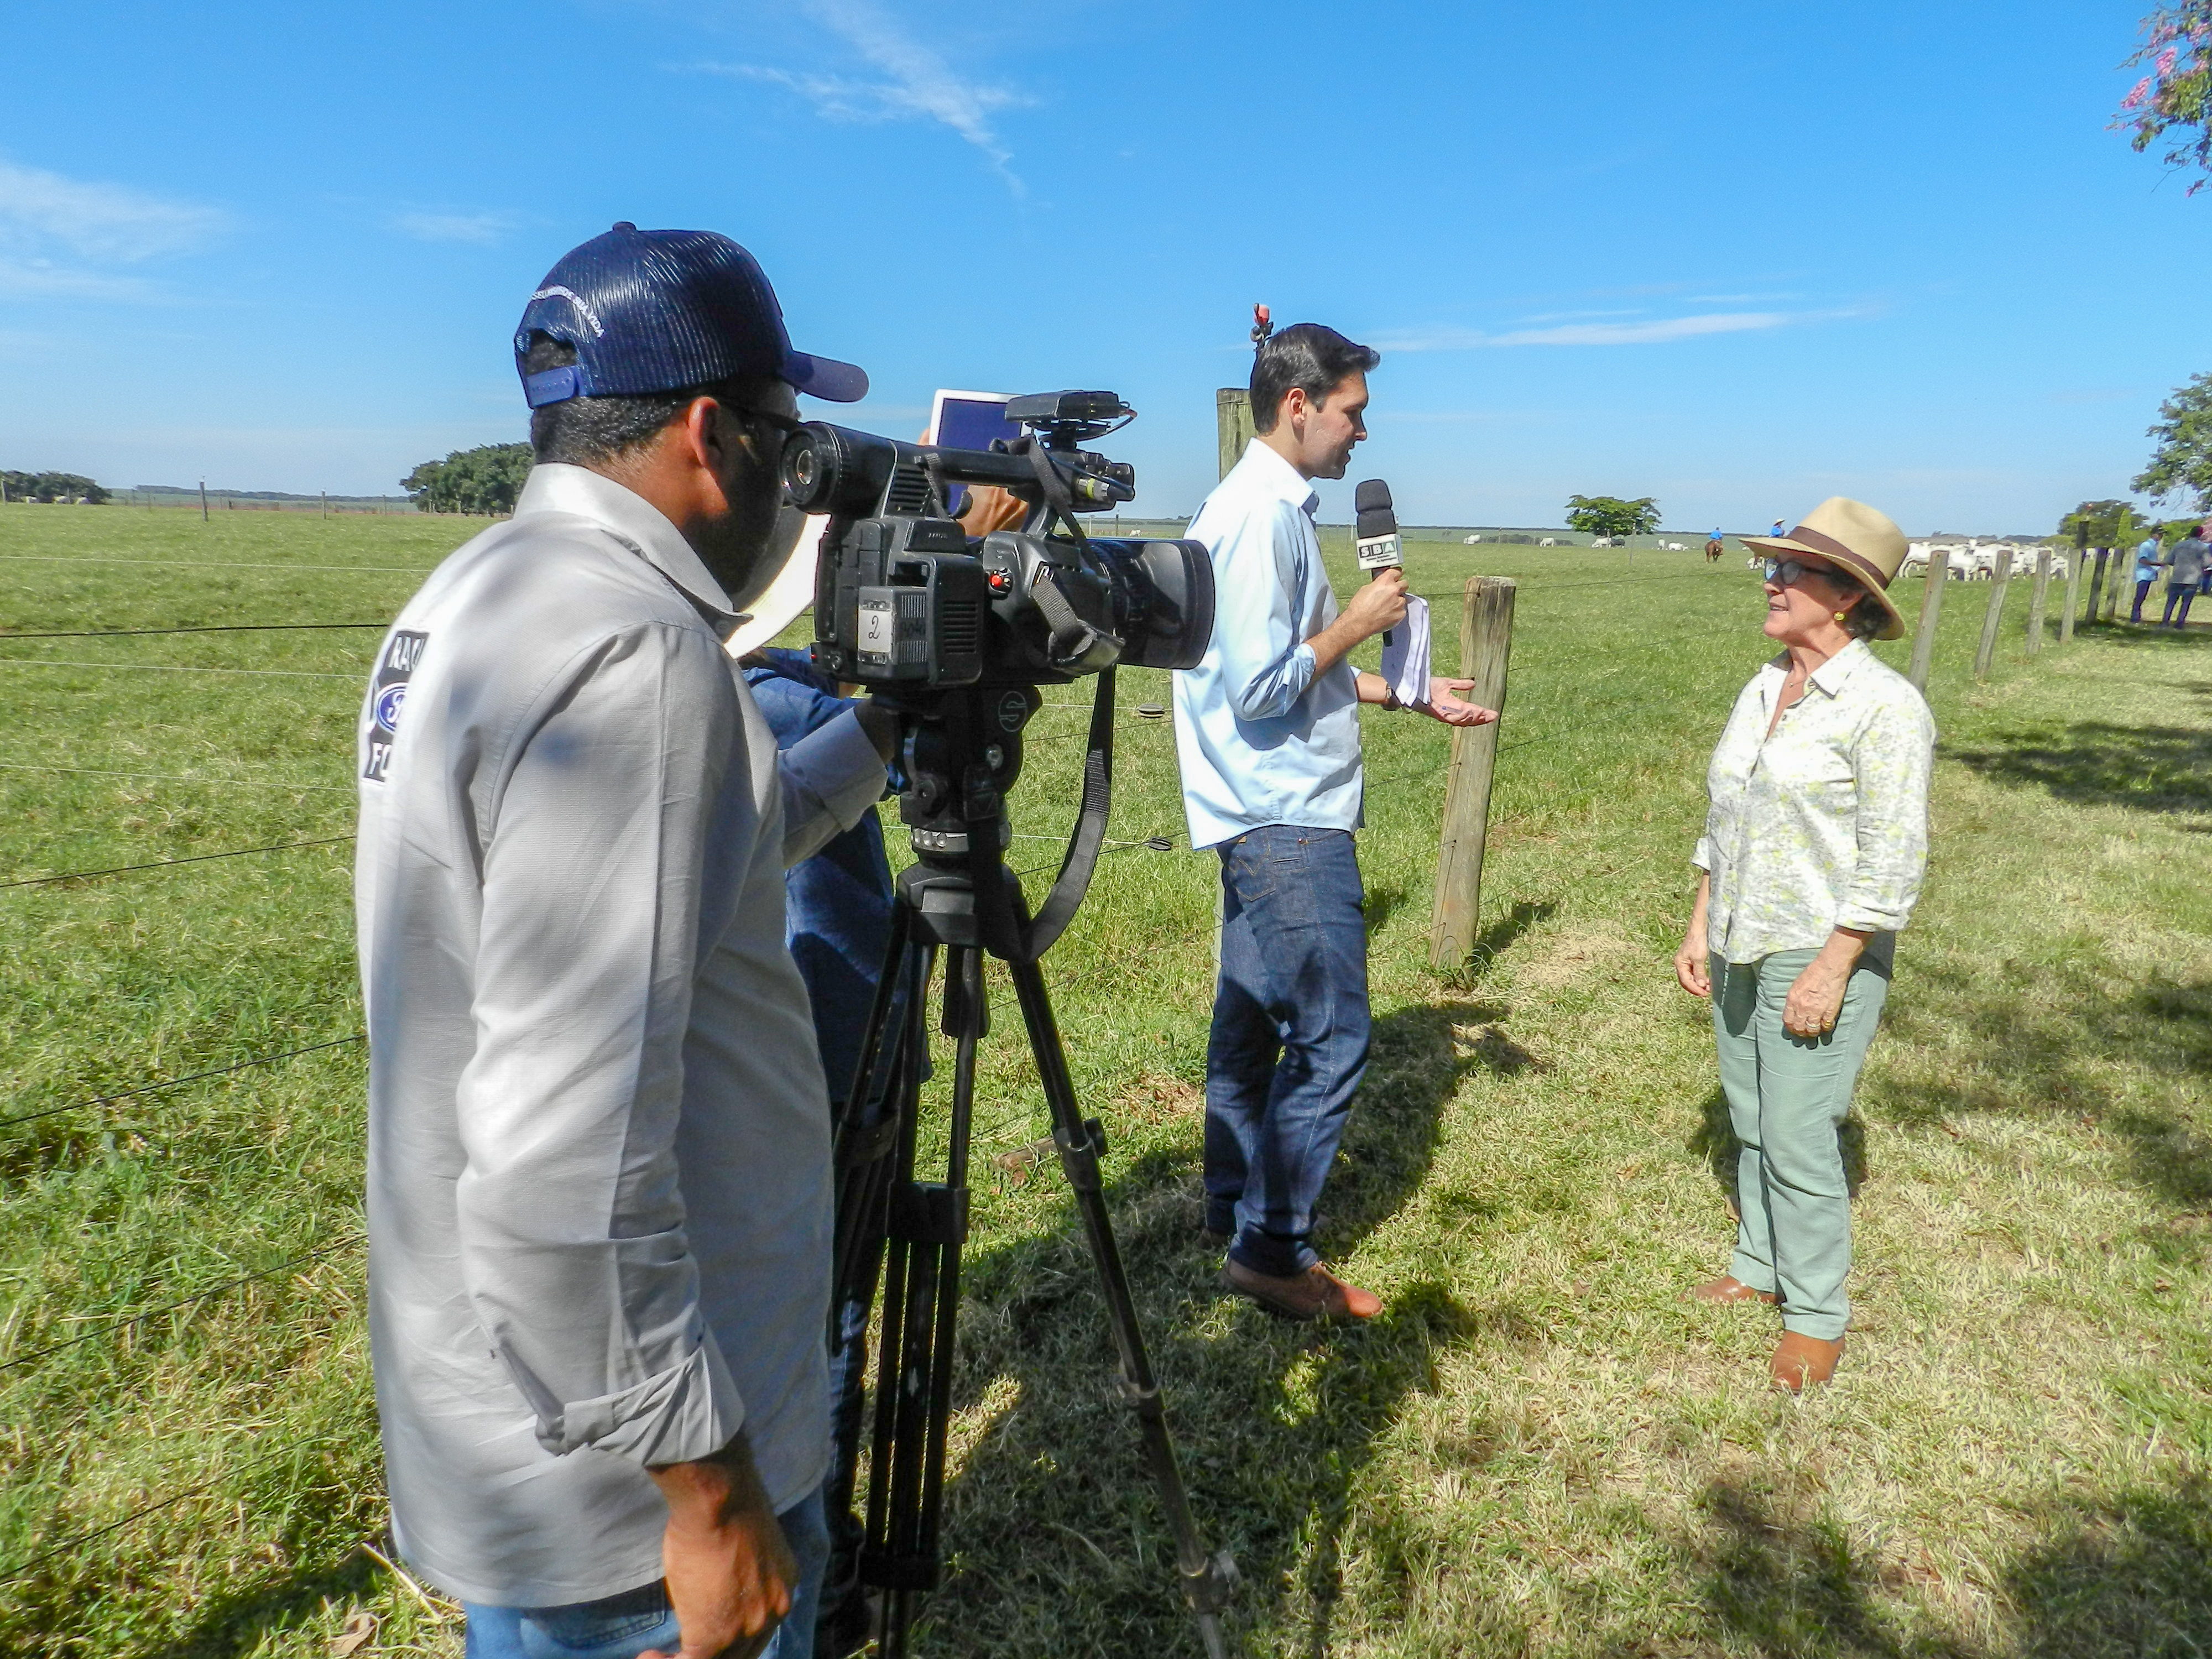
(906, 602)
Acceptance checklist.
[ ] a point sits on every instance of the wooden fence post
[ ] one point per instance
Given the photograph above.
(1232, 418)
(2073, 592)
(1931, 605)
(2037, 597)
(2096, 583)
(2000, 573)
(2113, 587)
(1485, 644)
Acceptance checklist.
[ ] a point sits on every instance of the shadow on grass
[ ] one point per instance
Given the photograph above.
(2146, 636)
(1058, 1545)
(2152, 768)
(2040, 1036)
(237, 1622)
(312, 1559)
(1497, 938)
(2127, 1575)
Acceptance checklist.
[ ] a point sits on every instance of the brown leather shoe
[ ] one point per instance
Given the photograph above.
(1316, 1293)
(1727, 1288)
(1799, 1360)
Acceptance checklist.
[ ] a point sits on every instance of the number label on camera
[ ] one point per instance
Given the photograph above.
(878, 627)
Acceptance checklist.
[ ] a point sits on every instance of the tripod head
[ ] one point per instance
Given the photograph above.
(961, 751)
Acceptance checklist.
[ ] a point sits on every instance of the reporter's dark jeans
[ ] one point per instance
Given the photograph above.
(636, 1621)
(1290, 1038)
(2143, 593)
(2178, 594)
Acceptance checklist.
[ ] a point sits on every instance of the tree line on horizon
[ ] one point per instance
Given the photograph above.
(483, 480)
(51, 487)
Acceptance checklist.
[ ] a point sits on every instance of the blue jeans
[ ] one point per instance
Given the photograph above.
(1290, 1038)
(2180, 594)
(622, 1626)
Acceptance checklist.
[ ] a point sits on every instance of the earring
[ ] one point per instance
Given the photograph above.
(1840, 615)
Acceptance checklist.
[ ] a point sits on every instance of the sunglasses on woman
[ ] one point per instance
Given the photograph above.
(1788, 573)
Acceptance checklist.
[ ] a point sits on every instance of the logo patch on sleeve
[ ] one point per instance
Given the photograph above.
(387, 697)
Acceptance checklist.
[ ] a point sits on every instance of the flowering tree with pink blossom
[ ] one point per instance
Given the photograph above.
(2172, 100)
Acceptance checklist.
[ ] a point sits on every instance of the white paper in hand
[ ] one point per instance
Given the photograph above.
(1406, 658)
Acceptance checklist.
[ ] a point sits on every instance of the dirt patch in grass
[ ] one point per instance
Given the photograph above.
(1577, 953)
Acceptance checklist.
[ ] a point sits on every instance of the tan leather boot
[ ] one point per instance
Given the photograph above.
(1800, 1360)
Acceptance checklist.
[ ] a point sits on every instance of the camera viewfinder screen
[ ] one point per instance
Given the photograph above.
(970, 420)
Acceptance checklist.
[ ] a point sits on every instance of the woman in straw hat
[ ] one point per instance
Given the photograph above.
(1812, 859)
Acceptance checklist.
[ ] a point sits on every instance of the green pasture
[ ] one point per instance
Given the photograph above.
(1536, 1450)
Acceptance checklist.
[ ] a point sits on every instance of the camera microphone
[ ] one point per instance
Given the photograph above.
(1375, 536)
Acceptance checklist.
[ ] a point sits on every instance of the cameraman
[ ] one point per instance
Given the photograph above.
(599, 1167)
(1268, 734)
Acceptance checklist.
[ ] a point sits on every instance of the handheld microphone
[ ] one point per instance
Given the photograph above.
(1374, 537)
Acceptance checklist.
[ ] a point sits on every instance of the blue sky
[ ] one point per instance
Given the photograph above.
(1738, 257)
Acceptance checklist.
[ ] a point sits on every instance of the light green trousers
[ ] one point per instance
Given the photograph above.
(1787, 1097)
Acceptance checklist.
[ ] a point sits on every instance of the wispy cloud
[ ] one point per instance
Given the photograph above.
(109, 223)
(47, 279)
(916, 83)
(1652, 330)
(483, 229)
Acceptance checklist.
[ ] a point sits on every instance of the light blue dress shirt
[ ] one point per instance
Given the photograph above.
(1261, 737)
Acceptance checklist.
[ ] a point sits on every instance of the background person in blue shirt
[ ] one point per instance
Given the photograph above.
(2150, 554)
(837, 923)
(1268, 737)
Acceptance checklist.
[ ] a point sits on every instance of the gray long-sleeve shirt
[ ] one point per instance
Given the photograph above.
(2186, 564)
(599, 1166)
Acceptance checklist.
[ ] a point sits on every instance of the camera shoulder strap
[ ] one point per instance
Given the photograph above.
(1090, 837)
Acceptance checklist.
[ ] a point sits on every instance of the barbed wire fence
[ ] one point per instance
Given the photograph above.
(46, 1550)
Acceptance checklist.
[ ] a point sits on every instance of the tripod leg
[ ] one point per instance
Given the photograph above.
(865, 1172)
(929, 1222)
(1206, 1579)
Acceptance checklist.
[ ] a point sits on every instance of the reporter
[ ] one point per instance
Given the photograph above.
(598, 1181)
(1267, 743)
(1812, 860)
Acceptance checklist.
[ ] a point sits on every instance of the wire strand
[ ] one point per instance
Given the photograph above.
(215, 564)
(176, 1082)
(172, 668)
(224, 1289)
(69, 1543)
(209, 628)
(173, 777)
(163, 864)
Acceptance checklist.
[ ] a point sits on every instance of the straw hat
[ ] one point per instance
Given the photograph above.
(782, 601)
(1858, 541)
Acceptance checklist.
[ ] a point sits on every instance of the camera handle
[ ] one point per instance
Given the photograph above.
(909, 1233)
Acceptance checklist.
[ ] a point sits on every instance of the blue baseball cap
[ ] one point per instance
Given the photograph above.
(659, 310)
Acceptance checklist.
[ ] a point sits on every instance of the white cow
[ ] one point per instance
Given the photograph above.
(1549, 541)
(1601, 541)
(1674, 547)
(1471, 541)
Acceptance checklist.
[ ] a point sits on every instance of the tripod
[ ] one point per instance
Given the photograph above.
(959, 899)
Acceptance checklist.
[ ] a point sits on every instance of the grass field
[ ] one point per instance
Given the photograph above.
(1536, 1450)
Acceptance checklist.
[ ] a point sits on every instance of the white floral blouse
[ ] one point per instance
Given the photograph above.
(1824, 825)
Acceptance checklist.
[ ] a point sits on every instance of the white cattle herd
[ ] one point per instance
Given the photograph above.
(1970, 560)
(1974, 561)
